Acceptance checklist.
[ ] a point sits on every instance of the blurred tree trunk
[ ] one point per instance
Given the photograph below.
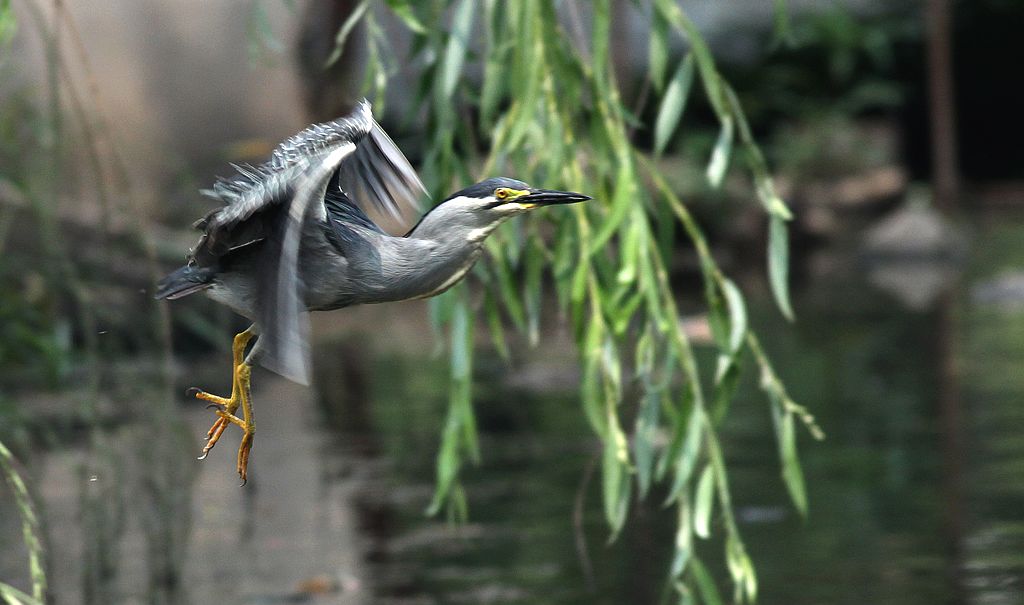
(945, 174)
(329, 92)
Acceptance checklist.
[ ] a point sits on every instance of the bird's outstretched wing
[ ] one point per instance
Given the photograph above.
(375, 175)
(272, 202)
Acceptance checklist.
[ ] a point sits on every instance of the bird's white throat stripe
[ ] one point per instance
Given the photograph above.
(479, 234)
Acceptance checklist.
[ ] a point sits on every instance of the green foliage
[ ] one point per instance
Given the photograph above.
(30, 533)
(29, 345)
(41, 300)
(547, 109)
(26, 337)
(8, 25)
(832, 63)
(13, 596)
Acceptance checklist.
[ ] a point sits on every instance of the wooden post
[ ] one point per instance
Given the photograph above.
(945, 175)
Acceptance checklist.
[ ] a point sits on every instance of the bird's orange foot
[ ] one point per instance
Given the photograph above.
(225, 409)
(226, 406)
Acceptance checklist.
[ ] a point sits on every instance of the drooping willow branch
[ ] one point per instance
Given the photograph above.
(547, 108)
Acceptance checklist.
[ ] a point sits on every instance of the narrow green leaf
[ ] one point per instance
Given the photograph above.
(720, 154)
(643, 359)
(525, 74)
(615, 480)
(673, 104)
(612, 376)
(533, 290)
(718, 313)
(591, 387)
(792, 474)
(30, 529)
(649, 286)
(461, 349)
(462, 377)
(749, 578)
(601, 36)
(455, 52)
(778, 264)
(737, 314)
(644, 436)
(684, 539)
(403, 10)
(493, 86)
(657, 50)
(631, 247)
(705, 62)
(727, 378)
(344, 31)
(13, 596)
(741, 570)
(447, 463)
(623, 199)
(678, 415)
(625, 312)
(705, 583)
(689, 449)
(704, 503)
(755, 160)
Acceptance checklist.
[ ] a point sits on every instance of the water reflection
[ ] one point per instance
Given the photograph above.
(917, 495)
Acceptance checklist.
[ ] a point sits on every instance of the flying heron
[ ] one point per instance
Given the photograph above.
(292, 236)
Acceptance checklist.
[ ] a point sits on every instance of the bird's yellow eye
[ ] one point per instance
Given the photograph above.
(501, 193)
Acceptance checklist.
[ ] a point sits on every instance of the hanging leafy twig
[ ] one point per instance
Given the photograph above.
(550, 112)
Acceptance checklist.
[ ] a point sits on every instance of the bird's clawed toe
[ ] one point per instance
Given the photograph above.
(225, 407)
(243, 455)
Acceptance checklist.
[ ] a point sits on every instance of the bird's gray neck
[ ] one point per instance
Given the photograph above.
(425, 263)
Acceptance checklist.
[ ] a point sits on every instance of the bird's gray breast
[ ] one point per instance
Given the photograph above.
(458, 268)
(397, 268)
(371, 268)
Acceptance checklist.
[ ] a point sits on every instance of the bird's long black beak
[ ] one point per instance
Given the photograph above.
(549, 197)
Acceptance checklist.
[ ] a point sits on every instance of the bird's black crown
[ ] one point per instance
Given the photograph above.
(486, 187)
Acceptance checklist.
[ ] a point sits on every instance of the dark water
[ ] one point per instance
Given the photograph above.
(916, 496)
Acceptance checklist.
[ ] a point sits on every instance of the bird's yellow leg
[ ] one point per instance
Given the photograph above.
(248, 421)
(240, 396)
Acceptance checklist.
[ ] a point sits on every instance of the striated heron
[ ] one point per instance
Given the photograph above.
(292, 235)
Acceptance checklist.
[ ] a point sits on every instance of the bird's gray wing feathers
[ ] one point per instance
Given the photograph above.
(376, 175)
(284, 329)
(274, 201)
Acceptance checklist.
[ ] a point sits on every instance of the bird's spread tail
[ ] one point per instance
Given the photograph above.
(186, 280)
